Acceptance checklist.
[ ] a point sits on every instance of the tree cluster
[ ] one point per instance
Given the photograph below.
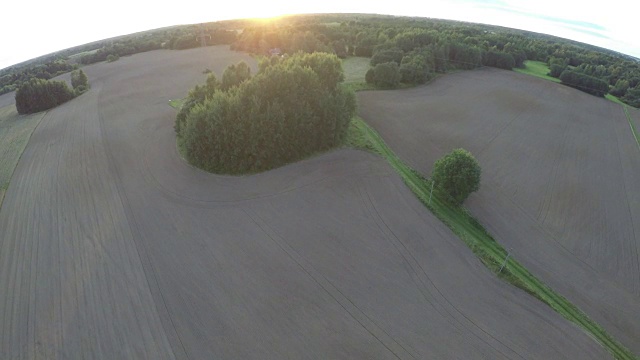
(38, 95)
(79, 81)
(586, 83)
(291, 109)
(443, 45)
(11, 80)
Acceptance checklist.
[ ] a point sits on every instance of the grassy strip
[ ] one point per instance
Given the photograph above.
(633, 128)
(15, 132)
(614, 99)
(537, 69)
(478, 239)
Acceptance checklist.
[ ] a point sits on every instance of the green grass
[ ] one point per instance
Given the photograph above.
(614, 99)
(355, 68)
(482, 244)
(537, 69)
(15, 132)
(633, 128)
(177, 104)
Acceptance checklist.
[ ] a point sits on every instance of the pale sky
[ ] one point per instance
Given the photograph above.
(39, 27)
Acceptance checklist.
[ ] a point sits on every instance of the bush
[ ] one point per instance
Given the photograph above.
(387, 75)
(290, 110)
(370, 76)
(458, 174)
(79, 78)
(113, 57)
(38, 95)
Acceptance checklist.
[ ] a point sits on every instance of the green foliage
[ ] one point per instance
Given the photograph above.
(499, 60)
(370, 76)
(234, 75)
(11, 80)
(79, 79)
(465, 56)
(291, 109)
(586, 83)
(417, 67)
(113, 57)
(387, 55)
(386, 75)
(632, 97)
(458, 174)
(39, 95)
(620, 88)
(196, 96)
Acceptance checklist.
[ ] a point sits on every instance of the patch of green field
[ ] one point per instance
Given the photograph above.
(467, 228)
(177, 104)
(15, 132)
(355, 68)
(633, 128)
(614, 99)
(537, 69)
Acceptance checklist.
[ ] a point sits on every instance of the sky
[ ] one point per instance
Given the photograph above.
(33, 28)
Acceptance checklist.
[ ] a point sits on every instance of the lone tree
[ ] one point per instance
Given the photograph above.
(457, 173)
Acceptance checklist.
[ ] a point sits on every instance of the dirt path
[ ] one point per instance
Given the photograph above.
(558, 178)
(113, 247)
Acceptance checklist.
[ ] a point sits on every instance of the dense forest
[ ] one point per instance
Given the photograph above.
(403, 49)
(412, 50)
(292, 108)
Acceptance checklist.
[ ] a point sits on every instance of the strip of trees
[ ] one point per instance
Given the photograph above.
(39, 95)
(292, 108)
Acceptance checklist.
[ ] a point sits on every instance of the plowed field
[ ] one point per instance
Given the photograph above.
(559, 184)
(112, 247)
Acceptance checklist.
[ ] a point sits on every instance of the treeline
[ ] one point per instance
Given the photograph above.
(421, 47)
(292, 108)
(177, 39)
(10, 81)
(586, 83)
(38, 95)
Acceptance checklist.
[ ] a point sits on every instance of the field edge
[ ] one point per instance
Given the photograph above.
(476, 237)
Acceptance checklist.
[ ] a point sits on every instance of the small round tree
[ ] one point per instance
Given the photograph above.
(458, 174)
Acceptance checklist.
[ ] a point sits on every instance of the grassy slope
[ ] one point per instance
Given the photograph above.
(15, 131)
(537, 69)
(478, 239)
(355, 68)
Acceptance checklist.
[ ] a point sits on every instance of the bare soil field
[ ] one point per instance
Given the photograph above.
(7, 99)
(559, 183)
(112, 247)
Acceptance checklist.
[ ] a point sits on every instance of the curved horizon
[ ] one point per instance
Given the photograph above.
(607, 28)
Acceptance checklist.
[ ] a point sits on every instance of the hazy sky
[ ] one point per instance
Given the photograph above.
(34, 28)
